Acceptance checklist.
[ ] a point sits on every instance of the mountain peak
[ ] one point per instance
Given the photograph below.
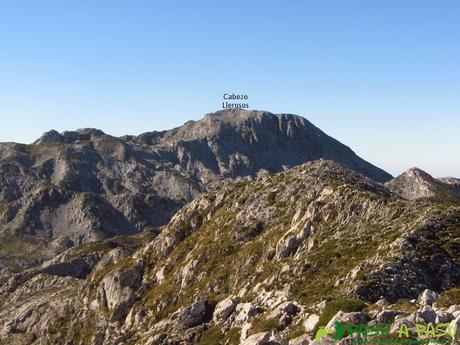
(232, 116)
(68, 137)
(50, 136)
(415, 183)
(237, 140)
(414, 171)
(230, 112)
(236, 115)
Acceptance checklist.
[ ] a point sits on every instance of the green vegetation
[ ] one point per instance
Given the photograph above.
(297, 331)
(347, 305)
(449, 297)
(222, 241)
(232, 337)
(82, 331)
(92, 247)
(44, 149)
(271, 196)
(262, 324)
(215, 336)
(212, 336)
(14, 250)
(232, 249)
(123, 264)
(404, 305)
(18, 338)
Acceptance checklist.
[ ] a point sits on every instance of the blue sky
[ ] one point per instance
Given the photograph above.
(383, 77)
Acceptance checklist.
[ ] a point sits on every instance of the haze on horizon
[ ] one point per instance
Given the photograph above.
(382, 78)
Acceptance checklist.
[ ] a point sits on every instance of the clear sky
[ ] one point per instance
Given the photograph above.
(382, 77)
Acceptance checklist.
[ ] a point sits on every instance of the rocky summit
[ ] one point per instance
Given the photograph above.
(417, 184)
(244, 227)
(77, 187)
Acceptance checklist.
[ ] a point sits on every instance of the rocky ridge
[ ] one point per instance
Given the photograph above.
(266, 261)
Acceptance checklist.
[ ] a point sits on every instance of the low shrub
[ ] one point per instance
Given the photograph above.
(347, 305)
(449, 297)
(263, 324)
(211, 336)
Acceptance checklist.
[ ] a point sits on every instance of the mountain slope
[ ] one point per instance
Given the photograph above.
(80, 186)
(272, 252)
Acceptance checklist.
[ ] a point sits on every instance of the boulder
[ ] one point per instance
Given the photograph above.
(286, 308)
(444, 317)
(302, 340)
(257, 339)
(387, 316)
(243, 312)
(285, 320)
(289, 308)
(454, 310)
(320, 306)
(427, 297)
(383, 303)
(427, 314)
(224, 309)
(277, 340)
(196, 314)
(188, 273)
(270, 299)
(354, 317)
(311, 322)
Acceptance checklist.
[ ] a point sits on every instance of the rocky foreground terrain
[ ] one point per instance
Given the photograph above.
(241, 228)
(261, 261)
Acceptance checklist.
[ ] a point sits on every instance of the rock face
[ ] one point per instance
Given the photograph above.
(117, 291)
(77, 187)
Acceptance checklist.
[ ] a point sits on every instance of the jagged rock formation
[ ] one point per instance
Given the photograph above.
(451, 181)
(254, 262)
(417, 184)
(80, 186)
